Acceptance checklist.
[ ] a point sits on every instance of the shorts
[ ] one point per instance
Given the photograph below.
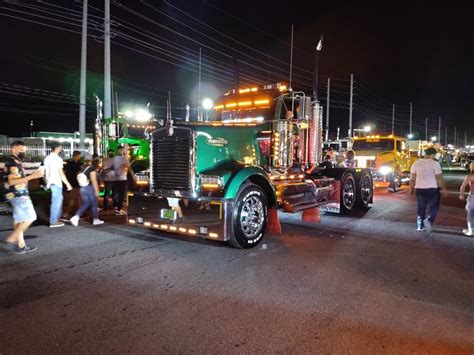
(23, 210)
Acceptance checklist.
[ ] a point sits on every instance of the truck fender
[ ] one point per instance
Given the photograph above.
(255, 175)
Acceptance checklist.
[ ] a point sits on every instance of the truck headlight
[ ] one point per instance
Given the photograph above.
(211, 181)
(385, 170)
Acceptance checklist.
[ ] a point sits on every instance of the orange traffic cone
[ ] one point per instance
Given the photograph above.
(273, 225)
(311, 215)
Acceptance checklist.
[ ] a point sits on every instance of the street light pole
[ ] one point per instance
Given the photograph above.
(107, 75)
(393, 119)
(426, 129)
(411, 117)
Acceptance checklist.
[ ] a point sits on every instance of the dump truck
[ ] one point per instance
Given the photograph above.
(227, 179)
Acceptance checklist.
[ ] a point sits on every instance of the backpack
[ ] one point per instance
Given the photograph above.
(82, 178)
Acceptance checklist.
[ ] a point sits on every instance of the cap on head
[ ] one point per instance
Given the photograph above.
(430, 151)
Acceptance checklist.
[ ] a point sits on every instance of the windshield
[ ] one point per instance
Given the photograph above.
(373, 144)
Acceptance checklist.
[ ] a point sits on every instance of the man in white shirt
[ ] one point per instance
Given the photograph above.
(427, 179)
(54, 177)
(121, 168)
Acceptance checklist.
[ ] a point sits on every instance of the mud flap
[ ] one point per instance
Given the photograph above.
(311, 215)
(273, 224)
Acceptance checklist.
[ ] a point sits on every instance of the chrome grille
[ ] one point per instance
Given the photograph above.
(171, 159)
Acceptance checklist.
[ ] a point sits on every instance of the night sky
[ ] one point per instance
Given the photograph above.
(420, 53)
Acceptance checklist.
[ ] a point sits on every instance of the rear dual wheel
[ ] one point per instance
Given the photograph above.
(348, 193)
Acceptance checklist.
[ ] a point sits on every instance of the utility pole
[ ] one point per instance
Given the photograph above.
(82, 89)
(426, 129)
(199, 87)
(291, 56)
(327, 109)
(350, 105)
(107, 78)
(411, 117)
(439, 130)
(393, 119)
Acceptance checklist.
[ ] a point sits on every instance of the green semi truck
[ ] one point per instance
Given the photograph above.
(226, 179)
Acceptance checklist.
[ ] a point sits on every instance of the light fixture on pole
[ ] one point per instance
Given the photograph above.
(207, 104)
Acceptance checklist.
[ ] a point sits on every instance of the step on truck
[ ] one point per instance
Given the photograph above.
(227, 178)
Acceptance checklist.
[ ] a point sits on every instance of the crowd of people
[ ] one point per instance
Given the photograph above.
(80, 178)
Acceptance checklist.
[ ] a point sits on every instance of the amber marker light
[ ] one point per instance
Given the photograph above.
(164, 226)
(213, 235)
(192, 231)
(132, 221)
(261, 102)
(173, 228)
(245, 103)
(148, 224)
(231, 104)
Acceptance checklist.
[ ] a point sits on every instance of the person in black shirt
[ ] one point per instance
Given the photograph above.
(73, 197)
(18, 196)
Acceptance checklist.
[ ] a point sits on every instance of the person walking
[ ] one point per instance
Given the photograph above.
(72, 198)
(469, 181)
(17, 194)
(121, 168)
(427, 181)
(109, 178)
(55, 177)
(350, 161)
(88, 180)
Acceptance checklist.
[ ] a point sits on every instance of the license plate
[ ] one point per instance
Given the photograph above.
(168, 214)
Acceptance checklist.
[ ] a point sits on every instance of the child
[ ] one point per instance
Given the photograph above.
(469, 180)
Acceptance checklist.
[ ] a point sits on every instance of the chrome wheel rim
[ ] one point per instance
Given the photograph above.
(348, 194)
(365, 189)
(252, 217)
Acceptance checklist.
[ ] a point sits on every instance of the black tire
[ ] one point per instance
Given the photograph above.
(251, 199)
(348, 193)
(365, 191)
(395, 183)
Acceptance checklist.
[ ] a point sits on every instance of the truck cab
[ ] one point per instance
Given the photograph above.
(225, 179)
(388, 157)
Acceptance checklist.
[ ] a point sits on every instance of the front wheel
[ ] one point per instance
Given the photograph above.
(249, 218)
(395, 183)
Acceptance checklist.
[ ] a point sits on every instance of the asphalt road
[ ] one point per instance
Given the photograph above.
(367, 283)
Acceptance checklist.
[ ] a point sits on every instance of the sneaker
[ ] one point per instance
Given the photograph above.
(56, 225)
(428, 225)
(97, 222)
(420, 229)
(74, 221)
(25, 249)
(120, 213)
(467, 232)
